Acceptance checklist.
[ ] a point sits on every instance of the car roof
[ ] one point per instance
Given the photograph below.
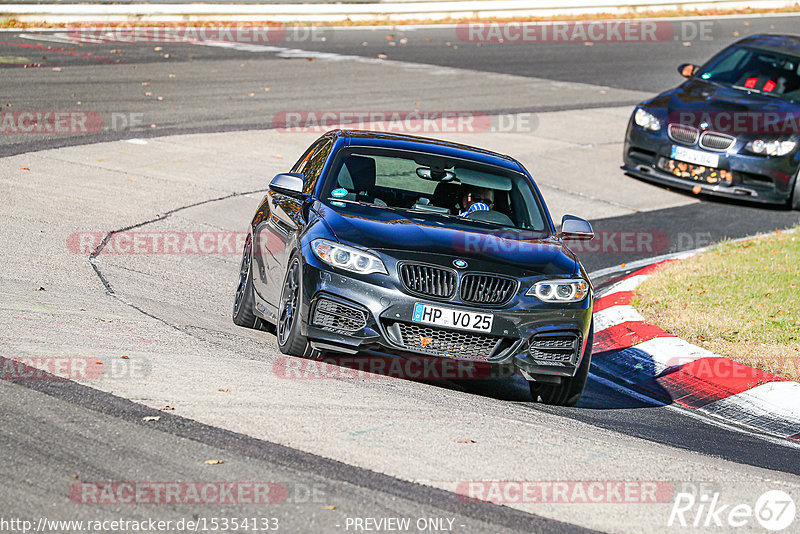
(773, 42)
(414, 143)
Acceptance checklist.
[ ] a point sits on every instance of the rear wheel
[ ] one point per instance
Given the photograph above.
(244, 302)
(569, 391)
(290, 340)
(794, 202)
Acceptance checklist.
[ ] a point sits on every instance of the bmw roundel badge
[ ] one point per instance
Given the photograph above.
(461, 264)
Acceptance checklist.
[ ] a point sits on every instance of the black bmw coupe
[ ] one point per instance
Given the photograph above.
(415, 247)
(732, 129)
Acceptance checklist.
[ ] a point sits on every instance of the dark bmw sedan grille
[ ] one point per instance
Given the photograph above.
(329, 313)
(683, 134)
(716, 141)
(441, 342)
(487, 289)
(428, 280)
(556, 348)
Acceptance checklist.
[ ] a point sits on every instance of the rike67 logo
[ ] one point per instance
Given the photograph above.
(774, 510)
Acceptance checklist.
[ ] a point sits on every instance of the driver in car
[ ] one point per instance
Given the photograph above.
(476, 199)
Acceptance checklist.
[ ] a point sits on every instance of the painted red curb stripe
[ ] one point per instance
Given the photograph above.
(614, 299)
(708, 380)
(625, 335)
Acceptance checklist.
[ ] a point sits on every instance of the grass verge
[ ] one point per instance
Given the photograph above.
(738, 299)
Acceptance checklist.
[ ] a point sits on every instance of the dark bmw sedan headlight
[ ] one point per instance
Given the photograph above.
(347, 258)
(646, 120)
(568, 290)
(765, 147)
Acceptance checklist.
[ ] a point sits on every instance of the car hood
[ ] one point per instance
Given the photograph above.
(420, 235)
(697, 101)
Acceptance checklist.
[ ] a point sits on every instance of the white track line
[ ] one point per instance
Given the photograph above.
(707, 418)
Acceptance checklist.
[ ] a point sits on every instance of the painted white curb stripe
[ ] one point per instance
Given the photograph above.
(669, 352)
(615, 315)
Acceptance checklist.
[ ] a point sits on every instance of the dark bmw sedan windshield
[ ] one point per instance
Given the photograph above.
(433, 188)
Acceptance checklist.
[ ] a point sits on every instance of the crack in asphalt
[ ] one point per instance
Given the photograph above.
(99, 249)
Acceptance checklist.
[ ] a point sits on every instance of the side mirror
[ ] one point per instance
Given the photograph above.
(289, 184)
(687, 70)
(575, 228)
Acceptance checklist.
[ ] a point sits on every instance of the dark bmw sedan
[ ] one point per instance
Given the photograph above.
(732, 129)
(419, 248)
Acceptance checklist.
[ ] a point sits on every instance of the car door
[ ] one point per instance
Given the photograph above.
(275, 236)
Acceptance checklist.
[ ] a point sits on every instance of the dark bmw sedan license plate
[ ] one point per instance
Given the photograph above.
(448, 317)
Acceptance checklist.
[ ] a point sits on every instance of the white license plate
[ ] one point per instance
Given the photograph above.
(464, 320)
(698, 157)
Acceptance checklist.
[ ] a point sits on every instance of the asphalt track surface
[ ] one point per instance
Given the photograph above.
(57, 429)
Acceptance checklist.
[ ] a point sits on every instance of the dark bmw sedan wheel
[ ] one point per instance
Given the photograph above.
(417, 248)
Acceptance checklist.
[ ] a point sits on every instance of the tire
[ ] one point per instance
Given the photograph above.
(569, 391)
(794, 202)
(290, 341)
(244, 301)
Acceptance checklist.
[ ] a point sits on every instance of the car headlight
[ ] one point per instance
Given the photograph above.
(770, 148)
(646, 120)
(347, 258)
(569, 290)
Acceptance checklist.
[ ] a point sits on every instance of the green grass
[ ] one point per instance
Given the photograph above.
(740, 300)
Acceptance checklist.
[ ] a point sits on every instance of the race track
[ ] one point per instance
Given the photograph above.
(159, 325)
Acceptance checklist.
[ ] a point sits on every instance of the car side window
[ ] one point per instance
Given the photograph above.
(301, 163)
(312, 166)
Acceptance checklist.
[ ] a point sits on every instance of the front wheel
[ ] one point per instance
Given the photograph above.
(569, 391)
(290, 340)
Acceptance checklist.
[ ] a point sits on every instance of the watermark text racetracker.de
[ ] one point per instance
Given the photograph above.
(589, 31)
(404, 121)
(242, 33)
(144, 525)
(371, 366)
(566, 491)
(73, 368)
(506, 241)
(69, 122)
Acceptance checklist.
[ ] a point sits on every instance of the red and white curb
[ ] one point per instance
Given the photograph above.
(670, 370)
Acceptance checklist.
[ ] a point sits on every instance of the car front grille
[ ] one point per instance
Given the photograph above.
(559, 348)
(331, 314)
(487, 289)
(441, 342)
(683, 134)
(428, 280)
(716, 141)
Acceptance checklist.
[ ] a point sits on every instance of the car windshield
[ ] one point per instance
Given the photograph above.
(756, 70)
(435, 185)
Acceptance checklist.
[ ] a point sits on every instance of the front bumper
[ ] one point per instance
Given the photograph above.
(387, 314)
(756, 179)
